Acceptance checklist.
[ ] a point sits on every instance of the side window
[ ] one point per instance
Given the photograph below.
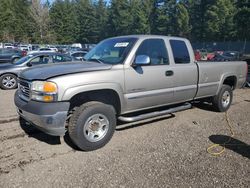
(180, 52)
(40, 60)
(59, 58)
(67, 58)
(155, 49)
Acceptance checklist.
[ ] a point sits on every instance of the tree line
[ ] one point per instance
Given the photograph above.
(89, 21)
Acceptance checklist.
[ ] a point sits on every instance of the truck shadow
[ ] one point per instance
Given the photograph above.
(203, 106)
(234, 144)
(37, 134)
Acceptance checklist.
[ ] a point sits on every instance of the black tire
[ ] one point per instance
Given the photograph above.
(80, 121)
(223, 100)
(12, 84)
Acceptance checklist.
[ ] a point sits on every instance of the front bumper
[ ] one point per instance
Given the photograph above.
(48, 117)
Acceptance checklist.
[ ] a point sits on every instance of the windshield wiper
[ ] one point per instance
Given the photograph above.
(96, 60)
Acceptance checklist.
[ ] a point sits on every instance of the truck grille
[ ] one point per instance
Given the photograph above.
(24, 89)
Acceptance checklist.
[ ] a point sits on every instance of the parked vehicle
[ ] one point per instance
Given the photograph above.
(9, 46)
(78, 55)
(10, 71)
(219, 57)
(233, 55)
(41, 50)
(10, 55)
(24, 47)
(53, 48)
(122, 75)
(34, 47)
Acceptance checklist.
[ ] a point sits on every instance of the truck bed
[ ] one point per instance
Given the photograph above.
(212, 75)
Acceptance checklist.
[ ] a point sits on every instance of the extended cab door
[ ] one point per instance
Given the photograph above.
(149, 85)
(184, 68)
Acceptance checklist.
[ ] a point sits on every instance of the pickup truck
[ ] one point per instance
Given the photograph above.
(121, 76)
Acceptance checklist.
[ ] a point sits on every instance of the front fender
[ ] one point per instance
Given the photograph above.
(71, 92)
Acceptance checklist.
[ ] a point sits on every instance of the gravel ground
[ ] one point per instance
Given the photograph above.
(168, 151)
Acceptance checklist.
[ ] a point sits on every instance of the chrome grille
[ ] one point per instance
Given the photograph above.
(24, 89)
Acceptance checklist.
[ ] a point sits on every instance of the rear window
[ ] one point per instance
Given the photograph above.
(180, 52)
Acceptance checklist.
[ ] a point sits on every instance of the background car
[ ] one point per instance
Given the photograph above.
(41, 50)
(10, 55)
(222, 57)
(9, 46)
(53, 48)
(24, 47)
(78, 55)
(10, 71)
(234, 55)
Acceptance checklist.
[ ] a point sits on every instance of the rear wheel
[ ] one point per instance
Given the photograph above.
(223, 100)
(8, 81)
(92, 125)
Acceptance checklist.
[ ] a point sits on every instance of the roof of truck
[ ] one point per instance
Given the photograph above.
(150, 36)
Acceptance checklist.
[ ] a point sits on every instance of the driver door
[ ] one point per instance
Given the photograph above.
(150, 85)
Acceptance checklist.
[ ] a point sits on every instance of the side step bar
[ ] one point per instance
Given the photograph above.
(155, 114)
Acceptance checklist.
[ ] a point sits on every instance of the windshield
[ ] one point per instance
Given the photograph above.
(23, 60)
(111, 51)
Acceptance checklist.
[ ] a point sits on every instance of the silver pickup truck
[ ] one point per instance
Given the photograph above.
(120, 76)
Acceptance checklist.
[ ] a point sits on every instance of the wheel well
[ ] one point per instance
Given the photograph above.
(231, 81)
(106, 96)
(8, 73)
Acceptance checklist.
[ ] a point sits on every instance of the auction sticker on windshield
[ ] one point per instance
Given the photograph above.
(122, 44)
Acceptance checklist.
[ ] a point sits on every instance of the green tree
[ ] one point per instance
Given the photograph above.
(140, 23)
(101, 14)
(219, 20)
(120, 18)
(14, 20)
(161, 19)
(242, 19)
(182, 25)
(87, 23)
(64, 23)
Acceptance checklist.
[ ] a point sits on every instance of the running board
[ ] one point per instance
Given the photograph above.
(155, 114)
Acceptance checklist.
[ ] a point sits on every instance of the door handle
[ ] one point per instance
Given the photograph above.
(169, 73)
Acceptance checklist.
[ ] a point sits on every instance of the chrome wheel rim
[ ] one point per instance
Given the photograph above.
(96, 127)
(9, 82)
(226, 99)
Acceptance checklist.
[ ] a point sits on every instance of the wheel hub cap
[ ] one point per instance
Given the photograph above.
(226, 99)
(9, 82)
(96, 127)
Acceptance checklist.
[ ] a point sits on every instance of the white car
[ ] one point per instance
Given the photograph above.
(41, 50)
(9, 46)
(24, 47)
(53, 48)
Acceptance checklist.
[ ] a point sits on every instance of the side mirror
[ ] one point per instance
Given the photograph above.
(142, 60)
(29, 64)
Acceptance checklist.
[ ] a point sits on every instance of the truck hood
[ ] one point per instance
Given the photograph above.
(44, 72)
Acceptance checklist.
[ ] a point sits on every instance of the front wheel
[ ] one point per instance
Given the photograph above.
(223, 100)
(8, 81)
(92, 125)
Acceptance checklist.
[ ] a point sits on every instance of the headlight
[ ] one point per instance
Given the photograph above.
(43, 91)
